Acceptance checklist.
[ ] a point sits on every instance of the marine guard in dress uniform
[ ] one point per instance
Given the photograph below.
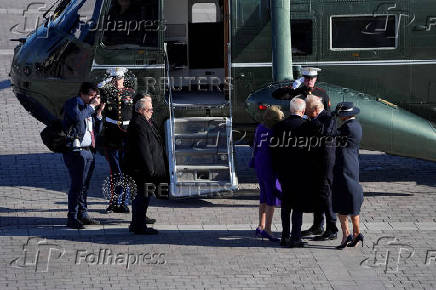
(117, 115)
(304, 86)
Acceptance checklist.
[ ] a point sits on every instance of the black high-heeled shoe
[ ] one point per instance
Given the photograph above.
(356, 240)
(345, 244)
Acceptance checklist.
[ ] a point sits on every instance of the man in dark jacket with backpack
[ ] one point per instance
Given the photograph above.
(82, 122)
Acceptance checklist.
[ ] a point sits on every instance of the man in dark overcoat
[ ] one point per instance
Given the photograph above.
(289, 157)
(146, 162)
(323, 159)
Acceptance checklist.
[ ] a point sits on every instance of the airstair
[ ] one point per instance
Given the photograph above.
(199, 144)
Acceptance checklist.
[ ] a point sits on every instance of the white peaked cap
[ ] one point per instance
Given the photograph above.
(310, 71)
(117, 72)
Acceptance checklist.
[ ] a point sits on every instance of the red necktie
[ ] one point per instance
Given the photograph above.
(91, 130)
(92, 139)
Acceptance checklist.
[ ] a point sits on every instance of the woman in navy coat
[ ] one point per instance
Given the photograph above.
(347, 193)
(262, 162)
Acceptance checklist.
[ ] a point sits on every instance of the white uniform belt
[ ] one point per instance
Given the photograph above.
(116, 122)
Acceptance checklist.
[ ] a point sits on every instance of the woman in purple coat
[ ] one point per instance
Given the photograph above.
(267, 179)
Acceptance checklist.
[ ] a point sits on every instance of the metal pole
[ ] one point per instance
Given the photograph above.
(281, 40)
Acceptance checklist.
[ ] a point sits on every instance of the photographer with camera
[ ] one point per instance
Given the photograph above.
(82, 121)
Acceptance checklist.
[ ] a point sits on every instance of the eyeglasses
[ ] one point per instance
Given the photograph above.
(148, 110)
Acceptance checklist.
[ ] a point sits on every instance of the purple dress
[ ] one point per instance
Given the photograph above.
(268, 182)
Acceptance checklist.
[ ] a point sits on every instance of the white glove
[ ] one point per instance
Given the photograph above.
(104, 82)
(297, 83)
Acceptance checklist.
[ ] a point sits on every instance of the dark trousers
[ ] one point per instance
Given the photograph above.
(286, 218)
(114, 157)
(327, 210)
(80, 167)
(140, 204)
(297, 221)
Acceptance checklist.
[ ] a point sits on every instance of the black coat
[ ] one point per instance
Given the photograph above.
(290, 157)
(347, 193)
(145, 153)
(323, 157)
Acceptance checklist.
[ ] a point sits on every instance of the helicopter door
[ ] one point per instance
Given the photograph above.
(199, 130)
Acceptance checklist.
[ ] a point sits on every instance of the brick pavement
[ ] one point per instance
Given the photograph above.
(204, 243)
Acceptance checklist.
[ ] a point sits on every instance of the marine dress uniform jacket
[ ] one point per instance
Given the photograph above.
(347, 196)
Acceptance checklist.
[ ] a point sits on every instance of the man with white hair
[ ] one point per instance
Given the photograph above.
(289, 161)
(323, 159)
(146, 162)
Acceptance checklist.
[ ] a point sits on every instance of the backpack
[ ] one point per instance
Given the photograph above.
(54, 137)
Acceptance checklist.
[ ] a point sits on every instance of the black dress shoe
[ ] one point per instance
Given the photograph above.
(110, 208)
(149, 221)
(89, 221)
(328, 235)
(312, 231)
(146, 231)
(124, 209)
(284, 242)
(297, 244)
(75, 224)
(121, 209)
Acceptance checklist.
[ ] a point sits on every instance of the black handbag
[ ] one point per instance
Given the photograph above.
(54, 137)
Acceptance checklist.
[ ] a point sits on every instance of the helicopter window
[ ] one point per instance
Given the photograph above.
(81, 19)
(132, 22)
(87, 20)
(301, 36)
(204, 12)
(363, 32)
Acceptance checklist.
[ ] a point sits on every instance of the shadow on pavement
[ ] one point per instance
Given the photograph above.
(386, 194)
(35, 222)
(206, 238)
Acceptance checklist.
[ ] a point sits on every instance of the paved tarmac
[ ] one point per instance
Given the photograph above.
(203, 243)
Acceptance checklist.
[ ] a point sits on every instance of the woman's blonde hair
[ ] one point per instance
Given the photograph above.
(272, 116)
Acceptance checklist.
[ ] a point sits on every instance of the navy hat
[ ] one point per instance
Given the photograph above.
(346, 109)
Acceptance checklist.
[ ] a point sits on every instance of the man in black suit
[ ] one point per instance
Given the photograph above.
(323, 160)
(289, 161)
(146, 162)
